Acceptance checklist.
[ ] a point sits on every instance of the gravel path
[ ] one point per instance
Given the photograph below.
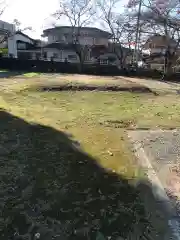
(167, 87)
(162, 149)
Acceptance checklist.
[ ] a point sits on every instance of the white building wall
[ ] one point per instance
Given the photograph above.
(101, 41)
(12, 43)
(93, 41)
(51, 39)
(20, 37)
(84, 39)
(157, 50)
(61, 55)
(12, 48)
(51, 53)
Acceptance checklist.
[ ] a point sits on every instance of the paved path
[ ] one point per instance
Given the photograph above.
(161, 86)
(159, 153)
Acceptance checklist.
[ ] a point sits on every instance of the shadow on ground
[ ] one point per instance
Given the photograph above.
(18, 74)
(50, 189)
(10, 74)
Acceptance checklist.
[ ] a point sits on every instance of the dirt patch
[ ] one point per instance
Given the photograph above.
(68, 87)
(119, 123)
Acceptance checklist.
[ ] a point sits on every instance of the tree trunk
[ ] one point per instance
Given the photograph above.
(169, 69)
(81, 66)
(168, 64)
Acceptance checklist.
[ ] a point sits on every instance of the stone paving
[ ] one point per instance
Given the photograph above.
(160, 86)
(161, 152)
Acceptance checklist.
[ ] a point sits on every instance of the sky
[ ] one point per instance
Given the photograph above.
(34, 13)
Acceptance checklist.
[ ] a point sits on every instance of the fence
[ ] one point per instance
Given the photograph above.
(58, 67)
(61, 67)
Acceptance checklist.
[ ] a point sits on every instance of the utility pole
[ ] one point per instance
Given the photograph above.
(137, 33)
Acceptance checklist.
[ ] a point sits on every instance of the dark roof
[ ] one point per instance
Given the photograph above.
(25, 35)
(97, 30)
(159, 40)
(29, 46)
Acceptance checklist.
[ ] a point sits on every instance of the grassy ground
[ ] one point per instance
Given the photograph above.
(66, 164)
(31, 74)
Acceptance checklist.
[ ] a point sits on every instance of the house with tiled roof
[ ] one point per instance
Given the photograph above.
(155, 49)
(61, 45)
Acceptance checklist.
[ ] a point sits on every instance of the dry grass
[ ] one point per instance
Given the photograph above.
(77, 160)
(97, 120)
(74, 80)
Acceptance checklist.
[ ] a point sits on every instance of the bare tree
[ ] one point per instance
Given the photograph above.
(122, 27)
(7, 33)
(3, 6)
(163, 20)
(79, 13)
(18, 26)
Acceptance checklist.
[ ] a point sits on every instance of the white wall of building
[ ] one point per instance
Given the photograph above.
(82, 40)
(101, 41)
(61, 55)
(20, 37)
(12, 43)
(87, 37)
(12, 48)
(157, 50)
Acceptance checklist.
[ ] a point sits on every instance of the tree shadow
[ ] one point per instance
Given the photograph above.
(10, 74)
(51, 189)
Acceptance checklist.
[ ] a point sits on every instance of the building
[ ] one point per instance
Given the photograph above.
(155, 48)
(16, 43)
(63, 40)
(95, 42)
(85, 35)
(113, 54)
(20, 45)
(158, 44)
(28, 48)
(7, 31)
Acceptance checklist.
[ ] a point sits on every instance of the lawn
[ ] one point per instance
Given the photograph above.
(67, 167)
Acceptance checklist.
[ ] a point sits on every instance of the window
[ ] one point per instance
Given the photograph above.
(111, 59)
(38, 55)
(75, 41)
(85, 34)
(45, 55)
(72, 57)
(55, 55)
(104, 61)
(21, 45)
